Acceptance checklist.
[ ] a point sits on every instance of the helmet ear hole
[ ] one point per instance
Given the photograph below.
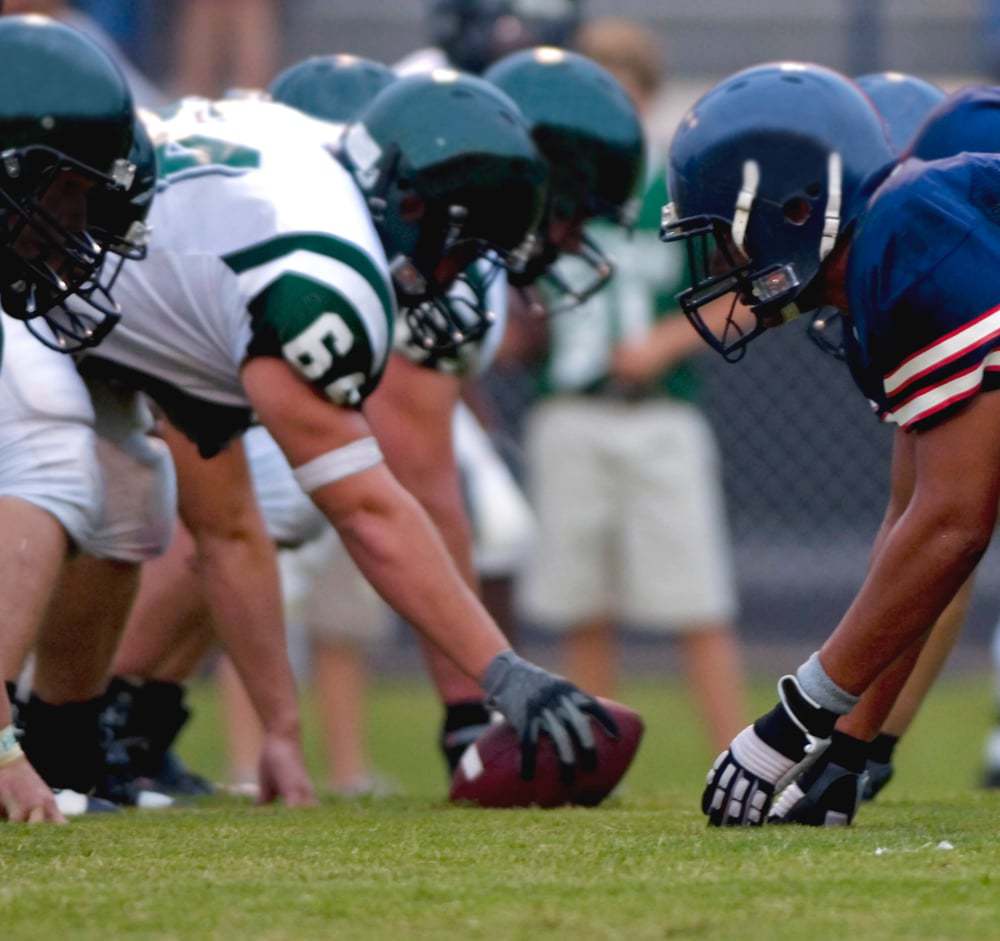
(411, 208)
(797, 210)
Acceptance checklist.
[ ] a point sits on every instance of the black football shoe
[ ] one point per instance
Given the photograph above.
(143, 720)
(877, 775)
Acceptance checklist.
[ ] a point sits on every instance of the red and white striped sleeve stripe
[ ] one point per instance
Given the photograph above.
(944, 350)
(950, 391)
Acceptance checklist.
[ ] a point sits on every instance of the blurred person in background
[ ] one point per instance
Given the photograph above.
(144, 92)
(473, 34)
(337, 643)
(622, 463)
(225, 44)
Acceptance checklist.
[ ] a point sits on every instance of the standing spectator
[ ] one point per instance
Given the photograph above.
(623, 464)
(226, 44)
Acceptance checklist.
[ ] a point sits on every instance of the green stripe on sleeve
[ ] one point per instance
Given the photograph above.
(319, 244)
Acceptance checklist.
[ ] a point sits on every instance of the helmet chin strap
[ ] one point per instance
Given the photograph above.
(744, 201)
(831, 217)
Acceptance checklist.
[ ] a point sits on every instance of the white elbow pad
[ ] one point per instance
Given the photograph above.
(337, 464)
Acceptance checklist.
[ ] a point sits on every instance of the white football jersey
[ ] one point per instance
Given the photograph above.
(261, 245)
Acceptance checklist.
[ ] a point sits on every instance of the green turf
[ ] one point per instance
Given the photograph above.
(642, 867)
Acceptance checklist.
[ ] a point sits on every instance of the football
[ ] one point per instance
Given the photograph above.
(489, 773)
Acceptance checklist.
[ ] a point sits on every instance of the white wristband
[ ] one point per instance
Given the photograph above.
(335, 465)
(10, 747)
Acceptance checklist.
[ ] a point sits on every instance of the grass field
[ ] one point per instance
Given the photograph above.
(642, 867)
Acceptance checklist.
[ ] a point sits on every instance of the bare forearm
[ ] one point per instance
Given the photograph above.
(398, 550)
(920, 567)
(244, 595)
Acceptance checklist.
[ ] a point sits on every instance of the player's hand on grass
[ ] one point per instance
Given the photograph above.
(536, 701)
(25, 797)
(283, 774)
(829, 792)
(765, 757)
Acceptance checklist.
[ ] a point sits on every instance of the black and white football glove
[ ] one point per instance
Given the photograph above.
(828, 793)
(765, 757)
(535, 701)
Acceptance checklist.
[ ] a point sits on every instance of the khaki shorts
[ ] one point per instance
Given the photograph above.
(324, 592)
(631, 522)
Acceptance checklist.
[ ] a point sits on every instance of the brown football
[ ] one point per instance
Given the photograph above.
(489, 773)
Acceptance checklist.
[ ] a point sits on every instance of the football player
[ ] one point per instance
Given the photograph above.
(281, 299)
(66, 128)
(966, 121)
(473, 34)
(575, 107)
(787, 195)
(828, 793)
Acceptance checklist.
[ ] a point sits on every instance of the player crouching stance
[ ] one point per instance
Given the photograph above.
(66, 128)
(785, 194)
(272, 286)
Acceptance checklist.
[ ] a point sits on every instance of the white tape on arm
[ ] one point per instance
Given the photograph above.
(335, 465)
(10, 748)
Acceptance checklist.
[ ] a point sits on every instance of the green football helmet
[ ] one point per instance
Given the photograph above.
(66, 129)
(451, 176)
(332, 88)
(116, 219)
(588, 129)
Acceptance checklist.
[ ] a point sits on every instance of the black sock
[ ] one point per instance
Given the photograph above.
(460, 715)
(882, 747)
(848, 752)
(464, 722)
(148, 714)
(63, 743)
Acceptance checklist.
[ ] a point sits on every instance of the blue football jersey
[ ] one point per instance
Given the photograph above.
(923, 284)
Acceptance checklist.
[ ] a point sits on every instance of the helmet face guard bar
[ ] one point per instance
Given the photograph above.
(34, 287)
(565, 295)
(822, 331)
(438, 318)
(82, 321)
(717, 267)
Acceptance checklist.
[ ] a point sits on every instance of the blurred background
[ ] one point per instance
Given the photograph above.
(805, 466)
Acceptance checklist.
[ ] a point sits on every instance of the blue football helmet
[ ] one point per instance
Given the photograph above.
(766, 173)
(904, 101)
(968, 120)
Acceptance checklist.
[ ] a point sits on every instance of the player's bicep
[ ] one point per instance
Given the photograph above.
(304, 423)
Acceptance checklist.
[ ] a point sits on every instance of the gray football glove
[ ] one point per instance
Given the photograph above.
(535, 701)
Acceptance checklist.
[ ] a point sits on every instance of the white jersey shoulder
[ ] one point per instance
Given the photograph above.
(262, 245)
